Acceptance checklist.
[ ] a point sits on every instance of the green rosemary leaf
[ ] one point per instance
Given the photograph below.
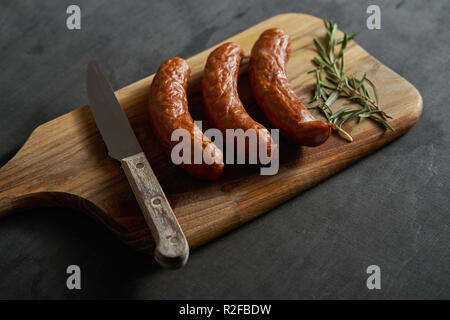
(332, 41)
(365, 92)
(358, 99)
(383, 122)
(325, 22)
(345, 133)
(365, 114)
(328, 86)
(360, 83)
(351, 116)
(327, 115)
(333, 80)
(331, 99)
(342, 64)
(331, 71)
(339, 113)
(322, 52)
(343, 46)
(353, 82)
(319, 62)
(374, 89)
(350, 37)
(346, 81)
(317, 92)
(323, 94)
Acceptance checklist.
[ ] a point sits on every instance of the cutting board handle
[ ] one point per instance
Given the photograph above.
(7, 206)
(26, 185)
(22, 187)
(10, 200)
(28, 181)
(17, 193)
(10, 203)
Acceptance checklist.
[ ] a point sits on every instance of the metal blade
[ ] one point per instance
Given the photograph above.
(110, 118)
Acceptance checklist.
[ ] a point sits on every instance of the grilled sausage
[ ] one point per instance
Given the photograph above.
(274, 95)
(168, 109)
(223, 107)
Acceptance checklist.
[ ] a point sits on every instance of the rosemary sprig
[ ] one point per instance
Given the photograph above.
(332, 83)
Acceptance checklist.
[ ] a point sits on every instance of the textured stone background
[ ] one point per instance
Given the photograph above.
(391, 209)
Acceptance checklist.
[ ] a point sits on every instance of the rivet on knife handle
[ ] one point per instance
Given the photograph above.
(172, 250)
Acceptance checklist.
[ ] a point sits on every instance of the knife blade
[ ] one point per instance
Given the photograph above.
(172, 250)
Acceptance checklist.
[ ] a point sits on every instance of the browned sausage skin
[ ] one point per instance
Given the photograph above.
(274, 95)
(221, 100)
(168, 110)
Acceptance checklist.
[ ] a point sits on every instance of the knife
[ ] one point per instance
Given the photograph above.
(172, 250)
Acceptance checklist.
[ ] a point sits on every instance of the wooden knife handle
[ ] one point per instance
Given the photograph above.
(172, 249)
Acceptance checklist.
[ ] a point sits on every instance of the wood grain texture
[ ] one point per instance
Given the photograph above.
(65, 162)
(171, 247)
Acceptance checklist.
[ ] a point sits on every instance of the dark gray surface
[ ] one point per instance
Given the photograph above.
(390, 209)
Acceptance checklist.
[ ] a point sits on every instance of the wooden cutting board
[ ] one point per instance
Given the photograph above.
(64, 162)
